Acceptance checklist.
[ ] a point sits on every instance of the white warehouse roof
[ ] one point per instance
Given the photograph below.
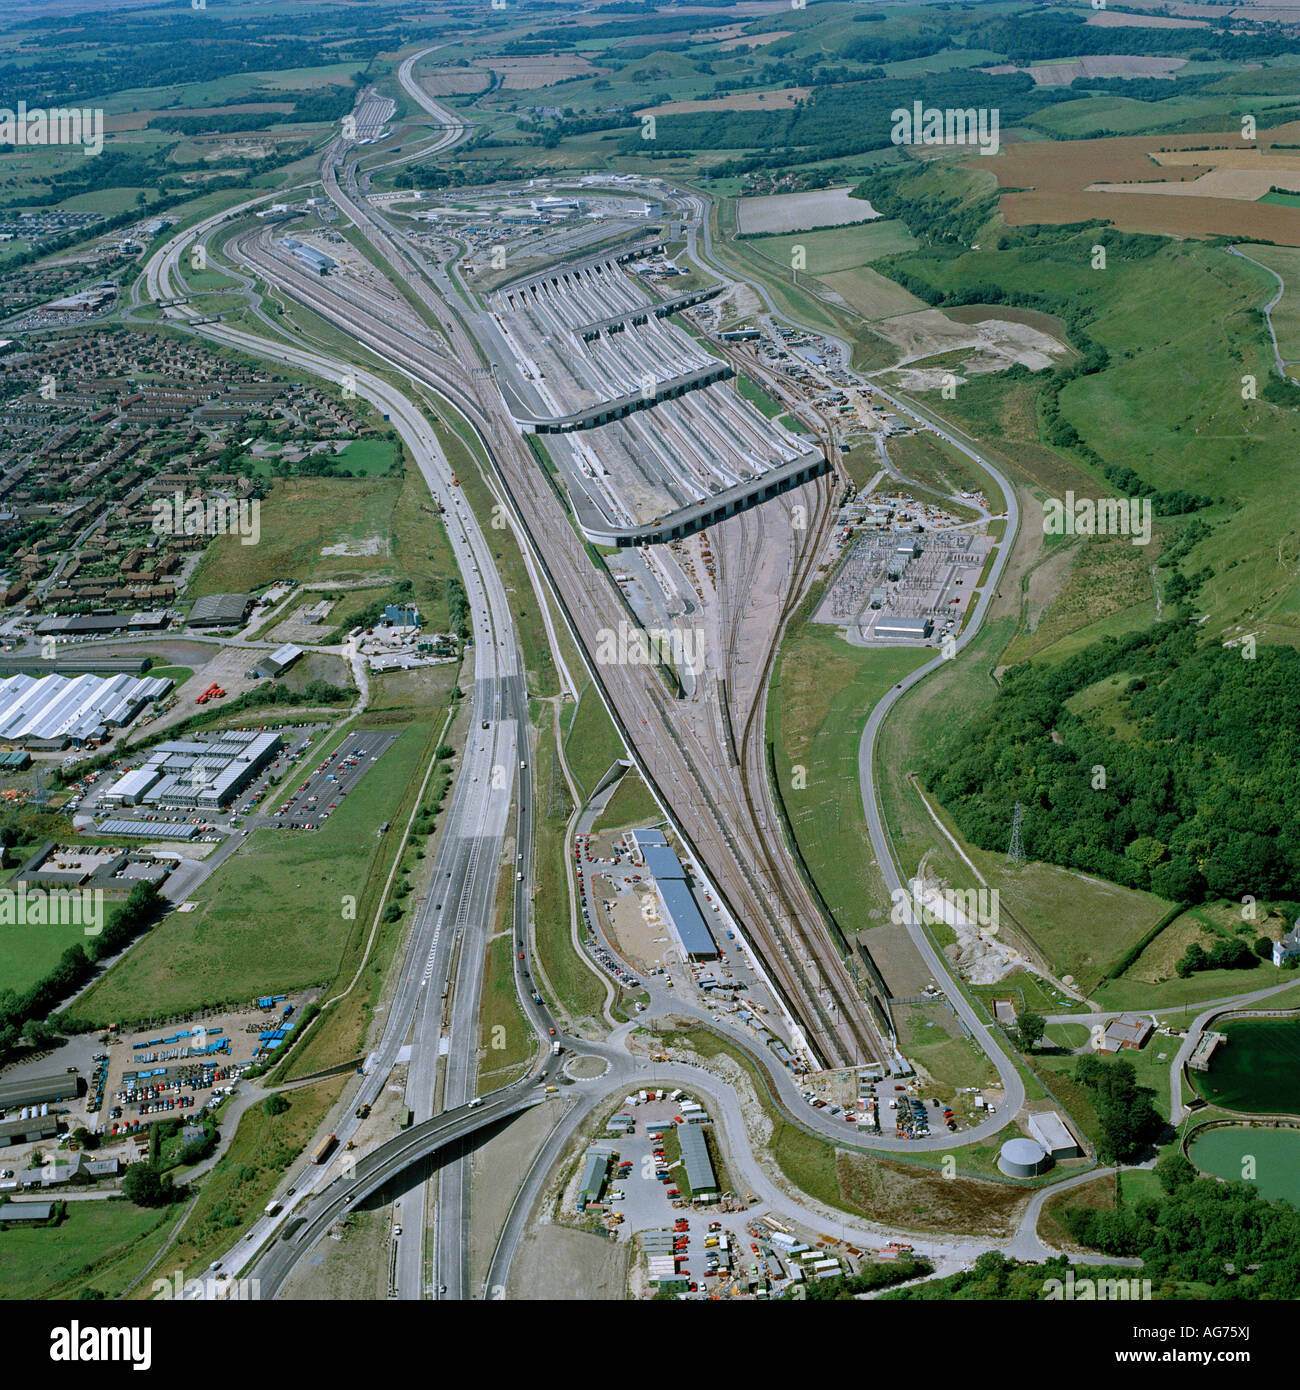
(56, 709)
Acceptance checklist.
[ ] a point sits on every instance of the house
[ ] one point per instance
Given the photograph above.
(1288, 947)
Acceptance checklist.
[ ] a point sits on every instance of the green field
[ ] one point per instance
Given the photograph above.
(29, 953)
(928, 460)
(179, 674)
(1285, 260)
(299, 519)
(1205, 438)
(822, 692)
(757, 397)
(838, 248)
(366, 457)
(270, 917)
(630, 806)
(576, 989)
(506, 1040)
(54, 1261)
(592, 745)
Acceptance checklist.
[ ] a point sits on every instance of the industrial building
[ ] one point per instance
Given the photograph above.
(30, 1131)
(104, 624)
(695, 1156)
(914, 629)
(112, 871)
(595, 1170)
(45, 713)
(1051, 1131)
(38, 1090)
(146, 830)
(402, 615)
(681, 911)
(220, 610)
(314, 260)
(1023, 1158)
(197, 773)
(89, 301)
(65, 663)
(278, 661)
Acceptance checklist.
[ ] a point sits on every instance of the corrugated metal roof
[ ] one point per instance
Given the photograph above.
(685, 919)
(663, 863)
(52, 707)
(695, 1155)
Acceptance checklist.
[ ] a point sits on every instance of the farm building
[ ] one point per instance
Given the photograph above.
(38, 1090)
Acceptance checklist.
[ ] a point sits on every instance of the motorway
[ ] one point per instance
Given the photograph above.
(468, 862)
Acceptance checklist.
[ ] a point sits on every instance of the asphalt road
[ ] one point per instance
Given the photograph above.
(476, 816)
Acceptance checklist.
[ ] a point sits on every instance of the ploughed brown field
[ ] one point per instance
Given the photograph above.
(1052, 177)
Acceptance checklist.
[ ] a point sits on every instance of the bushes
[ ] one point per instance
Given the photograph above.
(1225, 955)
(146, 1186)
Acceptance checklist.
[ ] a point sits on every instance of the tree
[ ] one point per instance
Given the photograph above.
(146, 1186)
(1193, 959)
(275, 1104)
(1174, 1171)
(1128, 1118)
(38, 1033)
(1030, 1028)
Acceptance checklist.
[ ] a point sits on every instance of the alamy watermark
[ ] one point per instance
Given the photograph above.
(179, 515)
(932, 125)
(177, 1286)
(633, 646)
(36, 125)
(981, 907)
(1072, 1290)
(53, 907)
(1099, 516)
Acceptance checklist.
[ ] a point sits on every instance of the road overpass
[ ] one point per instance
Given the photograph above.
(685, 521)
(557, 276)
(380, 1167)
(603, 412)
(616, 323)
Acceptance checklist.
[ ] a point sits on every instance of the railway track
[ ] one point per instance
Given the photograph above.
(746, 870)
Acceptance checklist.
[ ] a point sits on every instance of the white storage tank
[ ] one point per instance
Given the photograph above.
(1023, 1158)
